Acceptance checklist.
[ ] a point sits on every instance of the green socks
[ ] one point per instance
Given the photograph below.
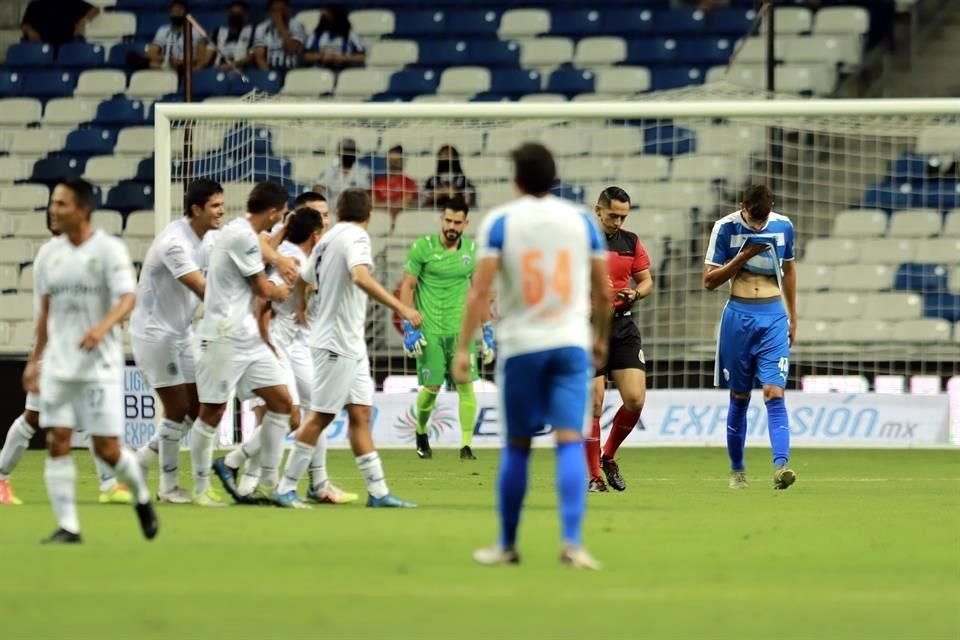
(468, 413)
(426, 401)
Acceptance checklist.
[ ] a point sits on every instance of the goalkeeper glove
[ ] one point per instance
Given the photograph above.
(488, 350)
(413, 341)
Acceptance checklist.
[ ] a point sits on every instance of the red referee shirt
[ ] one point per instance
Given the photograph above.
(627, 257)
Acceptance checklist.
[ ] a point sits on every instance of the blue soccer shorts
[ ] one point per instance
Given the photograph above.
(545, 388)
(754, 345)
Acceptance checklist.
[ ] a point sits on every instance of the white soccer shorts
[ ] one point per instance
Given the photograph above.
(339, 381)
(295, 359)
(166, 362)
(95, 407)
(223, 368)
(32, 403)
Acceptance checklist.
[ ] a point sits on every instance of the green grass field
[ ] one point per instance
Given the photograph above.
(865, 545)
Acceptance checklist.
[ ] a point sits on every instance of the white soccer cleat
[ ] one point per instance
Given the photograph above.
(495, 555)
(578, 558)
(177, 495)
(738, 480)
(331, 494)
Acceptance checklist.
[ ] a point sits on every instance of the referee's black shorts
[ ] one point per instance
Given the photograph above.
(626, 345)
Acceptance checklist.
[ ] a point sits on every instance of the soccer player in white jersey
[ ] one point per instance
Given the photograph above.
(170, 289)
(27, 424)
(340, 267)
(547, 285)
(231, 354)
(86, 285)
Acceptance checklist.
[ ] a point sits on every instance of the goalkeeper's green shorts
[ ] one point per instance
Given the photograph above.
(435, 366)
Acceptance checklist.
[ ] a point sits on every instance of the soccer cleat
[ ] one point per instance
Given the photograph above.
(148, 520)
(176, 495)
(209, 499)
(423, 447)
(62, 536)
(331, 494)
(466, 453)
(578, 558)
(117, 494)
(495, 555)
(7, 496)
(738, 480)
(289, 500)
(227, 477)
(262, 496)
(612, 470)
(784, 477)
(389, 501)
(597, 485)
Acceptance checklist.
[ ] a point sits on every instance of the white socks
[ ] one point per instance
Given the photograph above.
(105, 474)
(18, 440)
(372, 472)
(60, 476)
(318, 465)
(201, 455)
(129, 471)
(245, 451)
(296, 466)
(274, 431)
(169, 435)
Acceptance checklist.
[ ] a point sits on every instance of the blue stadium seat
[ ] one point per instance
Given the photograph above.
(413, 83)
(573, 192)
(388, 97)
(668, 140)
(705, 51)
(211, 82)
(145, 172)
(51, 170)
(912, 167)
(652, 51)
(676, 77)
(923, 278)
(732, 22)
(680, 21)
(267, 81)
(942, 305)
(627, 23)
(29, 54)
(515, 82)
(578, 23)
(49, 84)
(888, 196)
(81, 55)
(11, 84)
(478, 22)
(443, 53)
(149, 22)
(129, 196)
(494, 53)
(489, 96)
(94, 141)
(420, 23)
(119, 52)
(239, 139)
(120, 112)
(571, 81)
(271, 168)
(937, 194)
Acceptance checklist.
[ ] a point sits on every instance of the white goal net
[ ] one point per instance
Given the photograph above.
(871, 188)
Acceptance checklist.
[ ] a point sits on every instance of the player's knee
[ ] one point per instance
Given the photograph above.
(770, 392)
(633, 402)
(212, 414)
(58, 441)
(107, 449)
(32, 418)
(740, 395)
(598, 402)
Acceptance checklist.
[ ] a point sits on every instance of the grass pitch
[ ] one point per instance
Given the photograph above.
(865, 545)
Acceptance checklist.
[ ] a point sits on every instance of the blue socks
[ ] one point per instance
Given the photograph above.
(571, 489)
(778, 424)
(511, 487)
(737, 431)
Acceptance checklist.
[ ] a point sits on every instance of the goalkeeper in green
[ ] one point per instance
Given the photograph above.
(436, 280)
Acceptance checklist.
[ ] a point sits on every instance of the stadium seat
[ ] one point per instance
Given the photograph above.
(751, 76)
(915, 223)
(69, 112)
(938, 139)
(11, 83)
(308, 83)
(493, 193)
(942, 305)
(13, 169)
(925, 330)
(100, 83)
(623, 80)
(677, 77)
(494, 53)
(920, 277)
(643, 169)
(135, 141)
(25, 279)
(861, 277)
(577, 23)
(888, 196)
(951, 224)
(887, 250)
(49, 84)
(443, 53)
(818, 80)
(24, 55)
(108, 220)
(754, 51)
(120, 51)
(515, 82)
(817, 332)
(33, 142)
(53, 169)
(108, 170)
(420, 23)
(673, 195)
(32, 227)
(892, 306)
(862, 331)
(830, 306)
(842, 20)
(90, 142)
(111, 26)
(791, 20)
(269, 81)
(938, 251)
(138, 250)
(149, 21)
(372, 23)
(9, 277)
(82, 55)
(630, 22)
(831, 50)
(14, 251)
(487, 168)
(212, 82)
(140, 225)
(152, 83)
(832, 251)
(734, 22)
(814, 277)
(859, 223)
(589, 169)
(652, 51)
(617, 141)
(542, 98)
(21, 334)
(524, 23)
(19, 112)
(705, 51)
(571, 81)
(473, 22)
(598, 51)
(128, 196)
(411, 83)
(680, 21)
(120, 112)
(390, 54)
(360, 84)
(726, 168)
(546, 52)
(17, 307)
(667, 224)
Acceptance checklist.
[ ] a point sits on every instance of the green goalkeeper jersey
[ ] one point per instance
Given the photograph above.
(443, 280)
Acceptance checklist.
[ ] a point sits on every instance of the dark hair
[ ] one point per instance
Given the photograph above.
(535, 171)
(610, 194)
(307, 197)
(758, 201)
(270, 3)
(239, 3)
(353, 205)
(181, 3)
(199, 193)
(83, 194)
(455, 167)
(266, 196)
(302, 223)
(397, 148)
(457, 203)
(338, 24)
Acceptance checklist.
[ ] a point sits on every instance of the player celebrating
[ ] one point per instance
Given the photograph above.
(342, 261)
(436, 280)
(626, 365)
(753, 249)
(546, 284)
(170, 289)
(86, 285)
(232, 356)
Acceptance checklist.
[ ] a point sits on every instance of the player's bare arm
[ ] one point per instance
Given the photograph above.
(642, 288)
(478, 307)
(263, 288)
(195, 282)
(602, 304)
(264, 313)
(790, 294)
(362, 277)
(286, 266)
(117, 314)
(31, 374)
(408, 288)
(714, 276)
(302, 290)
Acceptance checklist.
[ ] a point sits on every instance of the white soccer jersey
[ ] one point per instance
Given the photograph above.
(545, 246)
(165, 306)
(340, 307)
(37, 260)
(228, 301)
(284, 329)
(83, 284)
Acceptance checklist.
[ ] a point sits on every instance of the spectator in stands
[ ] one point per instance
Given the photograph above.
(278, 41)
(449, 181)
(56, 22)
(394, 190)
(334, 44)
(232, 40)
(167, 49)
(343, 175)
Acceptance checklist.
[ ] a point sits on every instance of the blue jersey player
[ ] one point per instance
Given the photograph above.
(550, 262)
(753, 249)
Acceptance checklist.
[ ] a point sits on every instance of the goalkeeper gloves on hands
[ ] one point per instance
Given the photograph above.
(488, 349)
(413, 341)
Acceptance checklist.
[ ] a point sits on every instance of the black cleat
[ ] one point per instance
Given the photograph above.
(597, 485)
(612, 470)
(424, 452)
(466, 453)
(148, 520)
(62, 536)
